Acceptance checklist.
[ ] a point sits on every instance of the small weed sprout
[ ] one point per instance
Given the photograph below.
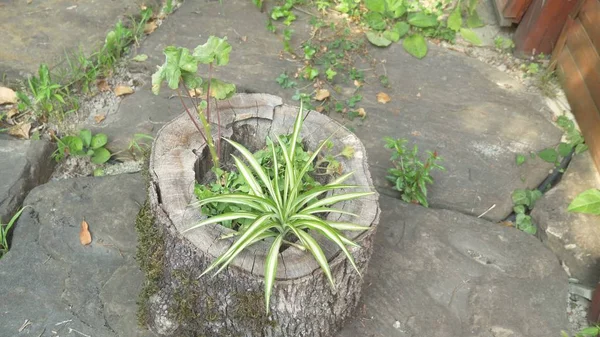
(410, 175)
(5, 228)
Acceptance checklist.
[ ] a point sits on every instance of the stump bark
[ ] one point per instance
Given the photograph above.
(232, 303)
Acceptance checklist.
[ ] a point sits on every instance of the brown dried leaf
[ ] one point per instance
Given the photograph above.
(357, 83)
(150, 27)
(383, 98)
(7, 96)
(84, 234)
(99, 118)
(13, 111)
(321, 94)
(102, 85)
(20, 130)
(320, 108)
(361, 112)
(195, 92)
(121, 90)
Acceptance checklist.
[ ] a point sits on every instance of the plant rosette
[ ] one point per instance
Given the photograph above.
(320, 260)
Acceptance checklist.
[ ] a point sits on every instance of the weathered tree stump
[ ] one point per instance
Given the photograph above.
(232, 303)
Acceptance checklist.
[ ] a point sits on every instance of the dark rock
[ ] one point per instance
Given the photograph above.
(573, 237)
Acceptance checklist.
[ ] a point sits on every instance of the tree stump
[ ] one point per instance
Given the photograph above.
(232, 303)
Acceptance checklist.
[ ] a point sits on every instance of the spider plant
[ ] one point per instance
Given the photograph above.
(277, 214)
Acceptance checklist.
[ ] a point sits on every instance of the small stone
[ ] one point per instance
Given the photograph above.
(502, 67)
(397, 324)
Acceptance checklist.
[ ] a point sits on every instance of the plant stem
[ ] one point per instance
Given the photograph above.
(190, 114)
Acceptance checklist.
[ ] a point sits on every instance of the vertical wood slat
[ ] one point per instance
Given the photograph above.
(590, 19)
(580, 99)
(541, 26)
(586, 59)
(515, 9)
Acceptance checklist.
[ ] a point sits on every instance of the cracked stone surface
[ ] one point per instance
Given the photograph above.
(573, 237)
(48, 277)
(475, 116)
(24, 164)
(441, 273)
(35, 32)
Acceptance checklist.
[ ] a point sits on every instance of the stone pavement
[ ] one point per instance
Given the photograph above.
(434, 272)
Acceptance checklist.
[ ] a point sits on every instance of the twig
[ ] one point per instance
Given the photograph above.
(190, 114)
(63, 322)
(486, 212)
(41, 333)
(79, 332)
(25, 324)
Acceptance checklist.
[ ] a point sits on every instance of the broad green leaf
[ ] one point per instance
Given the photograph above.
(520, 159)
(422, 20)
(375, 20)
(391, 35)
(470, 36)
(98, 141)
(86, 137)
(519, 209)
(157, 79)
(191, 80)
(455, 20)
(590, 331)
(580, 148)
(519, 197)
(472, 6)
(215, 49)
(549, 155)
(219, 89)
(271, 268)
(100, 156)
(473, 21)
(524, 223)
(375, 5)
(401, 28)
(415, 45)
(395, 8)
(140, 58)
(75, 144)
(377, 39)
(587, 202)
(564, 149)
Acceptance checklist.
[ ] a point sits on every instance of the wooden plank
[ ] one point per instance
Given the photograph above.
(582, 104)
(560, 44)
(498, 9)
(586, 59)
(515, 9)
(590, 19)
(541, 26)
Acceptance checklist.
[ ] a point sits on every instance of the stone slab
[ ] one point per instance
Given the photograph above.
(475, 116)
(23, 166)
(35, 32)
(573, 237)
(50, 280)
(440, 273)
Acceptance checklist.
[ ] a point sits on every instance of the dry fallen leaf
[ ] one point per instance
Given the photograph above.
(7, 96)
(20, 130)
(321, 94)
(102, 85)
(121, 90)
(361, 112)
(99, 118)
(12, 112)
(383, 98)
(150, 27)
(416, 133)
(320, 108)
(84, 234)
(357, 83)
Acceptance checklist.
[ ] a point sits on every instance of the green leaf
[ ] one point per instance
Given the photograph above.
(473, 21)
(523, 222)
(580, 148)
(375, 5)
(519, 209)
(455, 20)
(470, 36)
(415, 45)
(157, 79)
(98, 141)
(422, 20)
(375, 20)
(391, 35)
(395, 8)
(74, 144)
(549, 155)
(140, 58)
(271, 268)
(520, 159)
(401, 28)
(377, 39)
(330, 73)
(100, 156)
(564, 149)
(86, 137)
(590, 331)
(520, 197)
(215, 49)
(219, 89)
(587, 202)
